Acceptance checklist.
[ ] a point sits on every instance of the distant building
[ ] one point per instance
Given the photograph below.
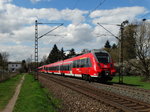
(14, 66)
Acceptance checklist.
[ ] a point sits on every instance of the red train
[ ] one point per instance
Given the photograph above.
(94, 65)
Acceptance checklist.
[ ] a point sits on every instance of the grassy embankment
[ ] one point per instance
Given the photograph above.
(7, 89)
(133, 81)
(34, 98)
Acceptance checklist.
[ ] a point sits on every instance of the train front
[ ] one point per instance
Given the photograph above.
(104, 65)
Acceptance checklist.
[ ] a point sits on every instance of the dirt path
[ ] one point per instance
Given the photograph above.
(11, 104)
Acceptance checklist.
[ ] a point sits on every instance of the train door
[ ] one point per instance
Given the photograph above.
(76, 67)
(87, 65)
(82, 65)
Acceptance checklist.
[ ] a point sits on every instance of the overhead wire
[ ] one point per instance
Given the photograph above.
(100, 3)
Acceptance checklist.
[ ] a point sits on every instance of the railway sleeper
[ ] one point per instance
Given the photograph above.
(125, 102)
(139, 107)
(145, 110)
(118, 99)
(130, 104)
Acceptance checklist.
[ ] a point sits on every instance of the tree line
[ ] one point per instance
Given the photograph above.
(57, 55)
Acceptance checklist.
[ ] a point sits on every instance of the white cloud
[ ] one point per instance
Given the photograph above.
(34, 1)
(14, 17)
(5, 1)
(17, 28)
(117, 15)
(76, 16)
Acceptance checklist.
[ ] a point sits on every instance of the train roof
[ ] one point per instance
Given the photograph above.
(82, 56)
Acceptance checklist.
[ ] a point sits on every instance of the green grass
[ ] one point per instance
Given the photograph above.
(34, 98)
(133, 81)
(7, 89)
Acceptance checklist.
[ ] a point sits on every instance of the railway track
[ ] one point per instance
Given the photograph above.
(133, 88)
(121, 103)
(136, 93)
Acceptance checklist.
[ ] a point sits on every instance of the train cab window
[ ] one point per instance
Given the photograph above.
(102, 57)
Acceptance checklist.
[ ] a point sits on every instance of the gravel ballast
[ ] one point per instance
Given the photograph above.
(73, 101)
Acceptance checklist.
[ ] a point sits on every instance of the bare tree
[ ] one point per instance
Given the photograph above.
(142, 36)
(85, 51)
(4, 59)
(5, 56)
(43, 60)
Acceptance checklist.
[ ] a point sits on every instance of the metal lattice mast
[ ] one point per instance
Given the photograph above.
(36, 48)
(36, 42)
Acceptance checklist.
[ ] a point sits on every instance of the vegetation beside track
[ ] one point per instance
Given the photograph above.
(7, 89)
(34, 98)
(133, 81)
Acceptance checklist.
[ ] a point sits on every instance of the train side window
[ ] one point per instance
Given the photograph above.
(70, 66)
(75, 64)
(60, 67)
(78, 63)
(67, 67)
(88, 62)
(63, 67)
(82, 63)
(55, 67)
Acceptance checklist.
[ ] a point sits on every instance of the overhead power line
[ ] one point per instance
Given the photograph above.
(50, 31)
(100, 3)
(108, 31)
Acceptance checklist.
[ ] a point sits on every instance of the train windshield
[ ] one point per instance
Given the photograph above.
(102, 57)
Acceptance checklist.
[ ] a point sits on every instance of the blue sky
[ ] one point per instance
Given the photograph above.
(17, 19)
(81, 4)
